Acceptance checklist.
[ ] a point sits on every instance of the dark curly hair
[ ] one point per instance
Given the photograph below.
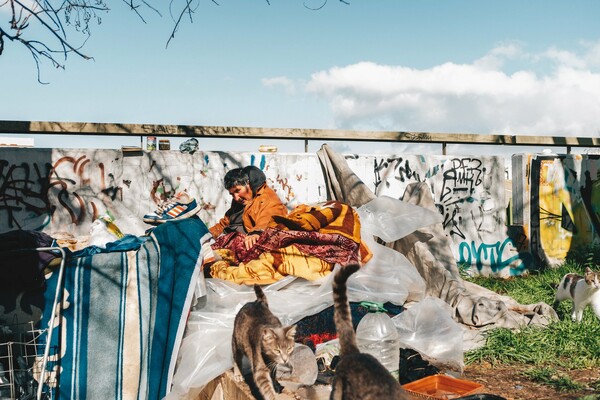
(234, 177)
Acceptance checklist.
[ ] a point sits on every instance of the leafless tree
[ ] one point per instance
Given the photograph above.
(54, 29)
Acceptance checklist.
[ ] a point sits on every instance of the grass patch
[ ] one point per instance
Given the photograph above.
(563, 344)
(551, 377)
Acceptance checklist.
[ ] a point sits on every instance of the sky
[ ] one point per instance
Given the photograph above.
(489, 67)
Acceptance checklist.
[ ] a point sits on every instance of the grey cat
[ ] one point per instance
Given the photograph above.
(582, 290)
(260, 336)
(358, 376)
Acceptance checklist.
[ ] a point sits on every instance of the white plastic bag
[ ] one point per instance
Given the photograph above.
(388, 276)
(428, 328)
(205, 351)
(391, 219)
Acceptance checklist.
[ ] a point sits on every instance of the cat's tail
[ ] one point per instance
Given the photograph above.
(342, 315)
(260, 295)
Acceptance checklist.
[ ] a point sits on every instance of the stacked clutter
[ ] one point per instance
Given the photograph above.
(411, 366)
(318, 333)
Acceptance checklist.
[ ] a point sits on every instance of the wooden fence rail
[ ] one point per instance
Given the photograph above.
(115, 129)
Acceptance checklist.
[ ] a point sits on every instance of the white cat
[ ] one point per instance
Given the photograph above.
(582, 290)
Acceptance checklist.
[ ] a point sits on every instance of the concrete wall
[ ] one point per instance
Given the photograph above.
(470, 194)
(65, 190)
(558, 204)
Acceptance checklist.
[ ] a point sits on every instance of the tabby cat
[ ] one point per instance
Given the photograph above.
(582, 290)
(357, 375)
(260, 336)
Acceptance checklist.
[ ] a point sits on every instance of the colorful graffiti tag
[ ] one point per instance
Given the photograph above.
(31, 193)
(469, 193)
(565, 209)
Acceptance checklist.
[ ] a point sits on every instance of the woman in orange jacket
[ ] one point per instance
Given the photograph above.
(253, 205)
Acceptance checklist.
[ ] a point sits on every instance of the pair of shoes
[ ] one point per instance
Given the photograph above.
(179, 206)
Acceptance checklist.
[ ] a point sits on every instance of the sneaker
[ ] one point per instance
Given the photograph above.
(178, 207)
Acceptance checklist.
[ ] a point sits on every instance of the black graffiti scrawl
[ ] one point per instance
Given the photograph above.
(401, 171)
(24, 188)
(460, 180)
(33, 194)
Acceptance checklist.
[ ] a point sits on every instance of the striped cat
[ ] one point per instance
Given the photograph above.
(581, 290)
(358, 376)
(260, 336)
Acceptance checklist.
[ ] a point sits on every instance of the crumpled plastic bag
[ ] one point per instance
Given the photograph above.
(427, 327)
(391, 219)
(205, 351)
(388, 276)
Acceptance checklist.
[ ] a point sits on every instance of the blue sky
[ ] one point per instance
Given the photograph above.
(510, 67)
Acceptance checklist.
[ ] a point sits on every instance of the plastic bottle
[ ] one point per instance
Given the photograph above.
(109, 220)
(377, 335)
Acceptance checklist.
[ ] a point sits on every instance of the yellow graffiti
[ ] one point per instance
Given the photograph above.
(564, 220)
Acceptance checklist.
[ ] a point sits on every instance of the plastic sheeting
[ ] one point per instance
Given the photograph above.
(414, 268)
(427, 327)
(428, 249)
(206, 348)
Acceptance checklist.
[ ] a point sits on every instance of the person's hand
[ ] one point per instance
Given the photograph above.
(250, 241)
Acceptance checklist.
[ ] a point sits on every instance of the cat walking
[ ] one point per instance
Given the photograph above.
(358, 376)
(581, 290)
(259, 335)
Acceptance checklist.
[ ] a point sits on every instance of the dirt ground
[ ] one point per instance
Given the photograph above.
(510, 383)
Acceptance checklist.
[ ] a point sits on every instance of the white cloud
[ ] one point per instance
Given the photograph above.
(552, 93)
(286, 83)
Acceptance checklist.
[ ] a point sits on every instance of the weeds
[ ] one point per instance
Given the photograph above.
(552, 377)
(563, 344)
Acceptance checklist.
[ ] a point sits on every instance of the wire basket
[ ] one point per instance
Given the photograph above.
(21, 359)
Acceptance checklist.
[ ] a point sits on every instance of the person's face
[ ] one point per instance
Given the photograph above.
(241, 194)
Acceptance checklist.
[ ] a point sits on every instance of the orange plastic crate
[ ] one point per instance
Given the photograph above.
(441, 387)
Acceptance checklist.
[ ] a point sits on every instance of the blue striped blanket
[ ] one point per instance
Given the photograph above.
(124, 315)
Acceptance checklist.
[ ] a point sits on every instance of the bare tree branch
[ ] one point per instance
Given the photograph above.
(187, 9)
(323, 4)
(60, 21)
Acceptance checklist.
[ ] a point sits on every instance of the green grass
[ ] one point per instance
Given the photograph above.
(563, 344)
(552, 377)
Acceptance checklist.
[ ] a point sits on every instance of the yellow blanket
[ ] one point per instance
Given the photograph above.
(332, 217)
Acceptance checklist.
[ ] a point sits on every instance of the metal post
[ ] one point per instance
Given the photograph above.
(52, 317)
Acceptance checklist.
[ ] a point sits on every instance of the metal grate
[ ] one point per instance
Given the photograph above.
(21, 360)
(27, 355)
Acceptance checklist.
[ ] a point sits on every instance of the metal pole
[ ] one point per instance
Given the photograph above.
(40, 388)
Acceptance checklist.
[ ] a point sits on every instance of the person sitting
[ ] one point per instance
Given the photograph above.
(253, 205)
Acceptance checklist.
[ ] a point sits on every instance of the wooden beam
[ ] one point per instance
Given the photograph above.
(115, 129)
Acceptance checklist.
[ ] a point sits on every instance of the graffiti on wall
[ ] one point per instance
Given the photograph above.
(24, 189)
(65, 190)
(461, 180)
(565, 213)
(469, 193)
(32, 193)
(498, 256)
